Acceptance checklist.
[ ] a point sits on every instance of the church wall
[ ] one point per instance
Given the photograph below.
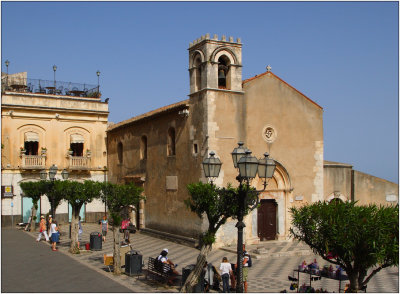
(370, 189)
(337, 181)
(166, 177)
(296, 141)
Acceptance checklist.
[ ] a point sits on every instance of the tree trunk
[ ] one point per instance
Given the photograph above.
(74, 230)
(117, 258)
(353, 278)
(33, 218)
(194, 276)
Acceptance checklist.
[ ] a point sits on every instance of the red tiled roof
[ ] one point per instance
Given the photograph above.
(165, 109)
(274, 75)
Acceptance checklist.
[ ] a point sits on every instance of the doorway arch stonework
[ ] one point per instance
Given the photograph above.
(280, 189)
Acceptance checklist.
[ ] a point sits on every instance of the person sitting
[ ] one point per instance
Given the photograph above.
(164, 259)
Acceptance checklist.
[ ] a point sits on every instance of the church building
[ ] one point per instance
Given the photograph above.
(163, 150)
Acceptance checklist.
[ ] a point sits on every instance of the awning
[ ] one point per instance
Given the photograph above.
(31, 137)
(76, 138)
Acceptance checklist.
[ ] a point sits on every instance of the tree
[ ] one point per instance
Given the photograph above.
(33, 190)
(358, 237)
(117, 197)
(217, 204)
(77, 194)
(55, 196)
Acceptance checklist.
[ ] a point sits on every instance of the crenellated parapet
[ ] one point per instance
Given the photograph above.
(215, 38)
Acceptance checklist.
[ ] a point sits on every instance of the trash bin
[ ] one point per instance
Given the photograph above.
(133, 263)
(95, 241)
(199, 288)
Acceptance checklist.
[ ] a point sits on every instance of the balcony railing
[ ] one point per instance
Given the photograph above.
(78, 162)
(18, 84)
(33, 161)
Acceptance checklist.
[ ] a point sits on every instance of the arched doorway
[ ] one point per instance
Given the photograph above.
(272, 213)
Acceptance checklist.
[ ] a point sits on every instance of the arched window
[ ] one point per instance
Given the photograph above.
(143, 147)
(171, 142)
(197, 64)
(31, 143)
(120, 149)
(335, 201)
(223, 73)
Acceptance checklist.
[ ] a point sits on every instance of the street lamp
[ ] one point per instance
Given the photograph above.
(52, 176)
(7, 64)
(98, 83)
(54, 68)
(212, 166)
(248, 167)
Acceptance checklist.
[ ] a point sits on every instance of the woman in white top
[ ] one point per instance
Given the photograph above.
(54, 234)
(226, 270)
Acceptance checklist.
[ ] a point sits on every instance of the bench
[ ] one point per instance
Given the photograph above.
(159, 270)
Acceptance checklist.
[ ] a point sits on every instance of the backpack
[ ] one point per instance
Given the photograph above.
(249, 262)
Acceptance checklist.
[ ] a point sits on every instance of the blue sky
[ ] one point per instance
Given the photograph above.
(342, 55)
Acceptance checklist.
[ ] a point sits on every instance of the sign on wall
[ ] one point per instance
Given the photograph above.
(391, 198)
(7, 191)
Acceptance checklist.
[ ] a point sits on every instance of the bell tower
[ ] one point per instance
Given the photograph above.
(215, 64)
(217, 103)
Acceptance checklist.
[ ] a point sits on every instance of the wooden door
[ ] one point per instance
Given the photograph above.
(266, 220)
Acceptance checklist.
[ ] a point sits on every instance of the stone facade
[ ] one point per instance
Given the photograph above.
(343, 182)
(265, 112)
(50, 123)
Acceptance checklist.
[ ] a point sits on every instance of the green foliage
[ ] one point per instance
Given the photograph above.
(77, 193)
(360, 236)
(218, 204)
(34, 190)
(118, 196)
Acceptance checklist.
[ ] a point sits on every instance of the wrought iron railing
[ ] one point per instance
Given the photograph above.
(33, 161)
(18, 84)
(79, 162)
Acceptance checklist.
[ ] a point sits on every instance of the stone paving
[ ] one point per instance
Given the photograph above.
(273, 261)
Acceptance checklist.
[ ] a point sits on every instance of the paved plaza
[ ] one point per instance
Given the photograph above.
(272, 263)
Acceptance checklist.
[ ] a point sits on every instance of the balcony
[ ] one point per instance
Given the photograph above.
(20, 84)
(33, 161)
(78, 162)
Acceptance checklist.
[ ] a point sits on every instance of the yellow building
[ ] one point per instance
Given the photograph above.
(46, 123)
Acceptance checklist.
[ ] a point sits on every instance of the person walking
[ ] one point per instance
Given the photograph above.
(104, 227)
(43, 229)
(50, 219)
(246, 264)
(54, 234)
(80, 231)
(226, 271)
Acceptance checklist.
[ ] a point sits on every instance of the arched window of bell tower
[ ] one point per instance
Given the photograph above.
(224, 73)
(197, 72)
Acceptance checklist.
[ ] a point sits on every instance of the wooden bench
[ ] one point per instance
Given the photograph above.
(159, 270)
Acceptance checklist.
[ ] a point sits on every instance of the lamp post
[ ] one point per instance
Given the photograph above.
(98, 81)
(7, 63)
(52, 175)
(248, 167)
(54, 68)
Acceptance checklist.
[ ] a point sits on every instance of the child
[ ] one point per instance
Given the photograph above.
(104, 227)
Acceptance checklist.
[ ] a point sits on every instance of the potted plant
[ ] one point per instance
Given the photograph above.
(88, 152)
(22, 150)
(44, 151)
(70, 152)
